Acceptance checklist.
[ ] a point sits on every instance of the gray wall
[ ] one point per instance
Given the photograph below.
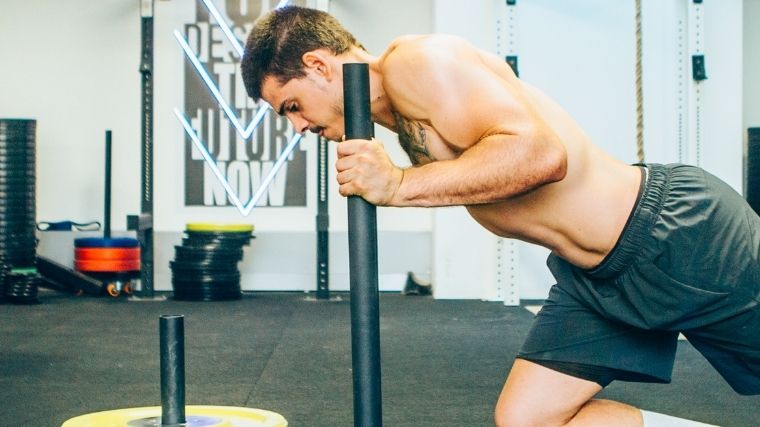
(751, 64)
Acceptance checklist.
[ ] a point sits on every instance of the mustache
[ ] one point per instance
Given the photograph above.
(316, 129)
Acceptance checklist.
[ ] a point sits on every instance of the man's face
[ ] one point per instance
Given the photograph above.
(309, 102)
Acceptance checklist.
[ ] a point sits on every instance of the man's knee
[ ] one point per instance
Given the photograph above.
(538, 396)
(519, 413)
(507, 414)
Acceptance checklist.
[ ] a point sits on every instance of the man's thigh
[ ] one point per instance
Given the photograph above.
(732, 346)
(567, 332)
(536, 395)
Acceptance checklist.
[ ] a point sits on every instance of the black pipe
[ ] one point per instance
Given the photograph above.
(146, 70)
(145, 220)
(107, 210)
(362, 248)
(323, 224)
(752, 169)
(172, 331)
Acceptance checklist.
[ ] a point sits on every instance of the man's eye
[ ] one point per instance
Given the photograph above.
(293, 108)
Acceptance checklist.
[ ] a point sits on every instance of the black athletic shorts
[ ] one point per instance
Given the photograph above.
(687, 261)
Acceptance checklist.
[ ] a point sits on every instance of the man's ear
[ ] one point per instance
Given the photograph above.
(317, 61)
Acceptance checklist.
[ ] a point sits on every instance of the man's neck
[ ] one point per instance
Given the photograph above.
(381, 108)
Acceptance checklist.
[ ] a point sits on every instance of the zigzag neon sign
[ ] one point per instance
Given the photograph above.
(244, 131)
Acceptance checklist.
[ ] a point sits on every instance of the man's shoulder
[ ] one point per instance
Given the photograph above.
(419, 42)
(419, 49)
(399, 47)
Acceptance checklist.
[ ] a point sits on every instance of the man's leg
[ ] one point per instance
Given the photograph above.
(538, 396)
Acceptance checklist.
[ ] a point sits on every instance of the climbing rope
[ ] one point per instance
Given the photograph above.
(639, 89)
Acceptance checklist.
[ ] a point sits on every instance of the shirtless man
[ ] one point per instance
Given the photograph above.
(640, 253)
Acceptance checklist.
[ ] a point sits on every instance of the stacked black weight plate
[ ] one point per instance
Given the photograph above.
(3, 273)
(21, 285)
(753, 168)
(18, 243)
(205, 266)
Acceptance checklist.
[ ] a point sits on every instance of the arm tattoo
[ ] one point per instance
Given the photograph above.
(412, 137)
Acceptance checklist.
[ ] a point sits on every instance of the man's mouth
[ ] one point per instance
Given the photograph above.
(318, 130)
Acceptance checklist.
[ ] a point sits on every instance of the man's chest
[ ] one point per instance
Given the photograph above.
(421, 142)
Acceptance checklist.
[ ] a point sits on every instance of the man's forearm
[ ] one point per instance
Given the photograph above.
(495, 169)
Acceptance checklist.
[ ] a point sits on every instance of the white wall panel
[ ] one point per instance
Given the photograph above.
(582, 53)
(73, 66)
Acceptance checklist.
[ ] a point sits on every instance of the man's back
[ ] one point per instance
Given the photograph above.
(579, 216)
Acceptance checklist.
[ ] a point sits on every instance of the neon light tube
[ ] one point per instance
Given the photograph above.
(244, 209)
(245, 133)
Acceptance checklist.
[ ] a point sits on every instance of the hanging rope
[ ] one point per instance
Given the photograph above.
(639, 89)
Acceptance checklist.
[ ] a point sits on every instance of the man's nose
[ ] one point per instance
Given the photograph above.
(300, 124)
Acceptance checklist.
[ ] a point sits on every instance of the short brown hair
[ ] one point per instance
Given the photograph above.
(279, 39)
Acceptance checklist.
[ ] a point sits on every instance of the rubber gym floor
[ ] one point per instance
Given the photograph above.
(443, 362)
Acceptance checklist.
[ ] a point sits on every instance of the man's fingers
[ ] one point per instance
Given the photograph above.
(345, 176)
(345, 148)
(353, 146)
(346, 190)
(345, 163)
(365, 170)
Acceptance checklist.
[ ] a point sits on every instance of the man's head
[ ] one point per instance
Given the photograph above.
(278, 41)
